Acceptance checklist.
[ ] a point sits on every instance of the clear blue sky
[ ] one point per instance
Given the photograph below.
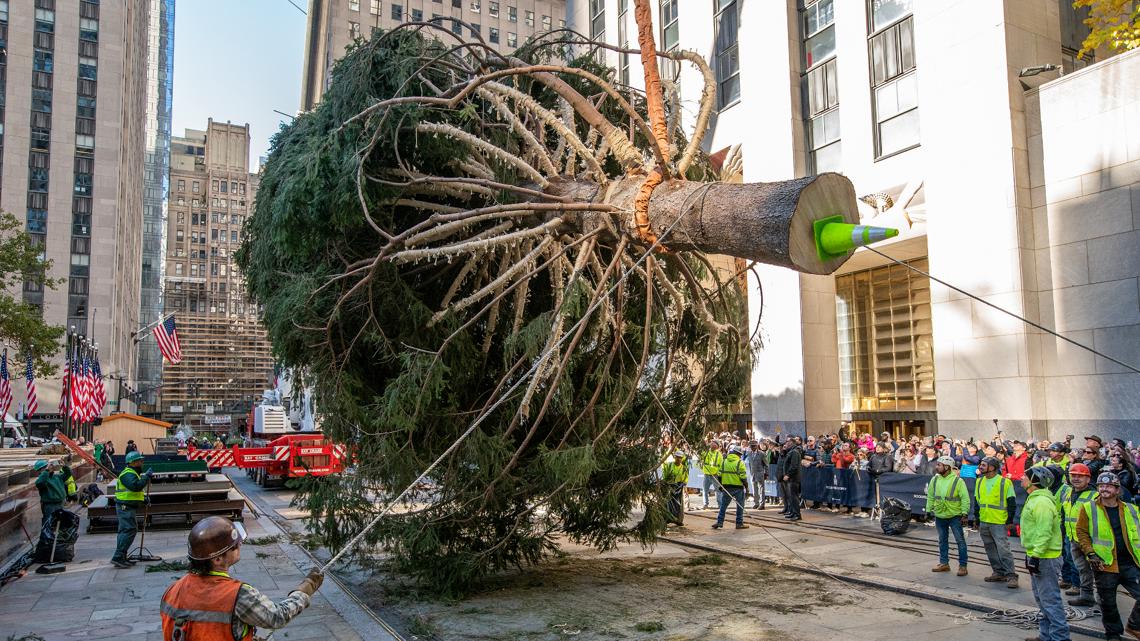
(237, 60)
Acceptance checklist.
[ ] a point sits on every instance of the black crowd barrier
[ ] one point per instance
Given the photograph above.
(855, 488)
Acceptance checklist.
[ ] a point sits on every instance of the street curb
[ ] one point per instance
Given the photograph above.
(883, 583)
(353, 613)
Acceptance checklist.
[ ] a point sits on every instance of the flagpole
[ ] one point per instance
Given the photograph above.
(141, 332)
(65, 390)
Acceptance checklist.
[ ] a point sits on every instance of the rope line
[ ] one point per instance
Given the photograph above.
(1005, 311)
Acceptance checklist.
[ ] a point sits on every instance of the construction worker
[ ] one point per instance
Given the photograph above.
(710, 467)
(996, 506)
(1108, 531)
(949, 500)
(1041, 538)
(733, 475)
(675, 476)
(52, 484)
(1057, 456)
(208, 605)
(129, 497)
(1073, 497)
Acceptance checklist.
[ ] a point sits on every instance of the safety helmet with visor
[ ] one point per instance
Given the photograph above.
(213, 536)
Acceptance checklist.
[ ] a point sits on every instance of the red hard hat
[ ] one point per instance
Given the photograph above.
(1080, 468)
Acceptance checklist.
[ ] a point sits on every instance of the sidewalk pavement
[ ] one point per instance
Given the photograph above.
(94, 600)
(899, 570)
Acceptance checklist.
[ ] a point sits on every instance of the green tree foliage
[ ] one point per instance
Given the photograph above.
(22, 325)
(403, 355)
(1112, 23)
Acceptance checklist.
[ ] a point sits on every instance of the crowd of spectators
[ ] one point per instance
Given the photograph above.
(919, 455)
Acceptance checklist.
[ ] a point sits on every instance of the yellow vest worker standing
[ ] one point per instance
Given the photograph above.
(129, 497)
(1041, 537)
(996, 507)
(949, 500)
(675, 476)
(733, 475)
(208, 605)
(1073, 496)
(710, 467)
(1109, 534)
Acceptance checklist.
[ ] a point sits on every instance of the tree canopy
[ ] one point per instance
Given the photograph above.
(1112, 23)
(21, 325)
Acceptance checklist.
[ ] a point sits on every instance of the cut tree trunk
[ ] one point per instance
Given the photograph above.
(767, 222)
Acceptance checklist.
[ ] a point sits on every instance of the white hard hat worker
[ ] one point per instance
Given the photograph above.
(209, 605)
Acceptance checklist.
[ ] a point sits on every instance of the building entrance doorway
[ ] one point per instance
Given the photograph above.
(901, 430)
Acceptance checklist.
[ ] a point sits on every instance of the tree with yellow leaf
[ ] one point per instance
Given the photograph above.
(1115, 23)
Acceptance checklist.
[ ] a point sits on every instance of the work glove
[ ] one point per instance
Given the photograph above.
(1033, 564)
(1095, 562)
(312, 582)
(965, 521)
(1010, 529)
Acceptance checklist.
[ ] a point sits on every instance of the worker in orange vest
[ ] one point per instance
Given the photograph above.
(208, 605)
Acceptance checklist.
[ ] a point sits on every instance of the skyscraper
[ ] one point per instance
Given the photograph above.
(73, 83)
(159, 99)
(225, 353)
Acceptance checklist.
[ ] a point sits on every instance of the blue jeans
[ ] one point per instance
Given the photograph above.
(1053, 626)
(128, 527)
(944, 526)
(1106, 585)
(1069, 572)
(708, 486)
(732, 495)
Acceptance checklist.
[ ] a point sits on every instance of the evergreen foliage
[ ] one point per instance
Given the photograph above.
(401, 361)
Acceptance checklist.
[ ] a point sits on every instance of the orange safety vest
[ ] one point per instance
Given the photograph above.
(201, 608)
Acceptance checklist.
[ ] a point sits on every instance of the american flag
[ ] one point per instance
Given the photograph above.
(30, 382)
(85, 392)
(100, 387)
(65, 388)
(75, 398)
(167, 337)
(5, 387)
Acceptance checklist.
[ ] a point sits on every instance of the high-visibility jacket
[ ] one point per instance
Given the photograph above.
(991, 495)
(711, 461)
(1071, 508)
(946, 496)
(203, 608)
(1104, 539)
(732, 471)
(1041, 525)
(1063, 463)
(675, 473)
(71, 487)
(123, 491)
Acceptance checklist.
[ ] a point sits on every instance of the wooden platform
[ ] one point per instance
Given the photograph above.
(182, 511)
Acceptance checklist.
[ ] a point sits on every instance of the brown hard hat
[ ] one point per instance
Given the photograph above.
(214, 536)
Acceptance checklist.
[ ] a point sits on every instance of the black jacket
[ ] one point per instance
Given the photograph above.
(881, 462)
(791, 463)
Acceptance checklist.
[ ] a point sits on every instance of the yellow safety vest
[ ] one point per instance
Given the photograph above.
(1069, 510)
(1063, 463)
(675, 473)
(990, 495)
(732, 471)
(121, 491)
(71, 487)
(711, 462)
(1100, 530)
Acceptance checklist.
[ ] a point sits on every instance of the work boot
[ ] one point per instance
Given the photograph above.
(1011, 582)
(962, 571)
(132, 561)
(941, 567)
(717, 526)
(762, 506)
(743, 526)
(1082, 601)
(995, 578)
(1073, 591)
(122, 565)
(1065, 585)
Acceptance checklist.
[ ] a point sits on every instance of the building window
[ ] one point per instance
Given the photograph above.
(819, 31)
(84, 142)
(623, 41)
(457, 4)
(456, 26)
(397, 12)
(894, 81)
(546, 24)
(670, 34)
(475, 6)
(1074, 30)
(512, 14)
(476, 29)
(88, 29)
(727, 52)
(597, 25)
(493, 9)
(354, 5)
(354, 30)
(195, 187)
(181, 185)
(178, 269)
(821, 100)
(225, 187)
(493, 35)
(374, 7)
(885, 333)
(417, 15)
(512, 39)
(530, 18)
(43, 61)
